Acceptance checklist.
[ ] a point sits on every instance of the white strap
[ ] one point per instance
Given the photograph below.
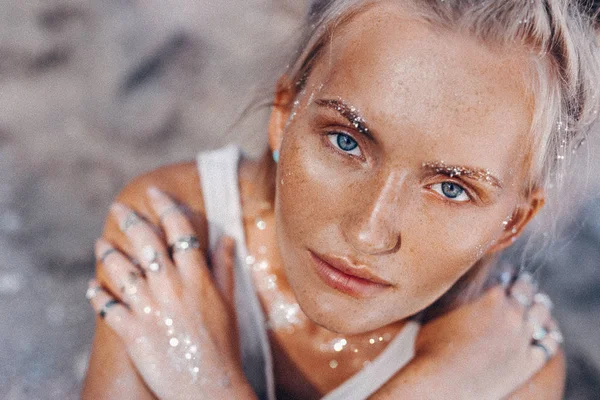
(368, 380)
(219, 176)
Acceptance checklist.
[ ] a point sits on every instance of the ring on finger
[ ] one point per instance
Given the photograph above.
(184, 243)
(539, 333)
(106, 306)
(152, 257)
(130, 220)
(548, 354)
(107, 253)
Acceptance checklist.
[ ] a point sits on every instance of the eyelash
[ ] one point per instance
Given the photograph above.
(465, 192)
(331, 135)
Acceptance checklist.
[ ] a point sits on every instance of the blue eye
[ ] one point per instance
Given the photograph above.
(345, 143)
(451, 191)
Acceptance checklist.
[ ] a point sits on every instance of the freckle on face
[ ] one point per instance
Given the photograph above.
(426, 96)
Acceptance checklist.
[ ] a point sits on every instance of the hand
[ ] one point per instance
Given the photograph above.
(485, 349)
(176, 325)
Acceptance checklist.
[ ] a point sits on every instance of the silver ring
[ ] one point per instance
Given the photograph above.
(131, 220)
(106, 254)
(106, 306)
(539, 333)
(152, 257)
(92, 292)
(185, 243)
(547, 353)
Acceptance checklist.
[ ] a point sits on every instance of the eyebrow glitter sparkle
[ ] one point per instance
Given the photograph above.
(482, 175)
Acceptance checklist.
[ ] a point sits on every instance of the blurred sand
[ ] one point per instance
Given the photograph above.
(92, 93)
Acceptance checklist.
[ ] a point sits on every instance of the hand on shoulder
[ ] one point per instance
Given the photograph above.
(132, 300)
(483, 350)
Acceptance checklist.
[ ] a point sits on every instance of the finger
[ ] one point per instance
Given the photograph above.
(223, 262)
(554, 331)
(109, 309)
(523, 290)
(538, 317)
(124, 278)
(180, 235)
(151, 252)
(544, 350)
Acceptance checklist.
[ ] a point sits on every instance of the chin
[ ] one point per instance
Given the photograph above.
(340, 314)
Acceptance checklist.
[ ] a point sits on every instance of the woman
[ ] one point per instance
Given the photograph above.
(409, 144)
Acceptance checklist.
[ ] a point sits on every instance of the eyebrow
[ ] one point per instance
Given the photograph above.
(479, 174)
(350, 113)
(353, 116)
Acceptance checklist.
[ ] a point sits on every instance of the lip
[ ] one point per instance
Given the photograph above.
(343, 276)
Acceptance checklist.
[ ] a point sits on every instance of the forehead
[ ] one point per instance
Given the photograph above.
(443, 92)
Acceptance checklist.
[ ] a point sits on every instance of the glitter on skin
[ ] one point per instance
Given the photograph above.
(348, 112)
(482, 175)
(260, 224)
(340, 344)
(333, 364)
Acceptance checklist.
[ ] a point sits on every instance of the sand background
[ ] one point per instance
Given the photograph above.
(94, 92)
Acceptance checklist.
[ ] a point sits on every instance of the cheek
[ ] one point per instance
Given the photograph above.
(444, 243)
(311, 195)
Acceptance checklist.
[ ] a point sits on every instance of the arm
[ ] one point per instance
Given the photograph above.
(548, 383)
(111, 374)
(480, 350)
(422, 379)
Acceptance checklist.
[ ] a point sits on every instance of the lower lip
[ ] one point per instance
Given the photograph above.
(349, 284)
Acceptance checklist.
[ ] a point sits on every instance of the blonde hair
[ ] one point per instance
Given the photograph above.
(558, 34)
(561, 39)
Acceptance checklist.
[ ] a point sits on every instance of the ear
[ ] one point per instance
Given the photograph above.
(280, 112)
(519, 220)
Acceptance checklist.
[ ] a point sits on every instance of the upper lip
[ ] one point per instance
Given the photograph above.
(349, 268)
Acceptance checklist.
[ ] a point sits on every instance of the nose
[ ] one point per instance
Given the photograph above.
(373, 227)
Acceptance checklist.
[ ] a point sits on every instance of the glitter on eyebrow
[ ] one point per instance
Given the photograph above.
(483, 175)
(348, 112)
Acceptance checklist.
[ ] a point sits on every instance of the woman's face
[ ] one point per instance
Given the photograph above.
(403, 159)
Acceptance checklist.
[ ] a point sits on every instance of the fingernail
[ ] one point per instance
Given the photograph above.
(92, 290)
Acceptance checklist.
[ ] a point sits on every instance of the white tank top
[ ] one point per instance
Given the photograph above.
(220, 187)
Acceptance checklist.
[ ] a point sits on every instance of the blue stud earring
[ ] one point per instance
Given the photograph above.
(276, 156)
